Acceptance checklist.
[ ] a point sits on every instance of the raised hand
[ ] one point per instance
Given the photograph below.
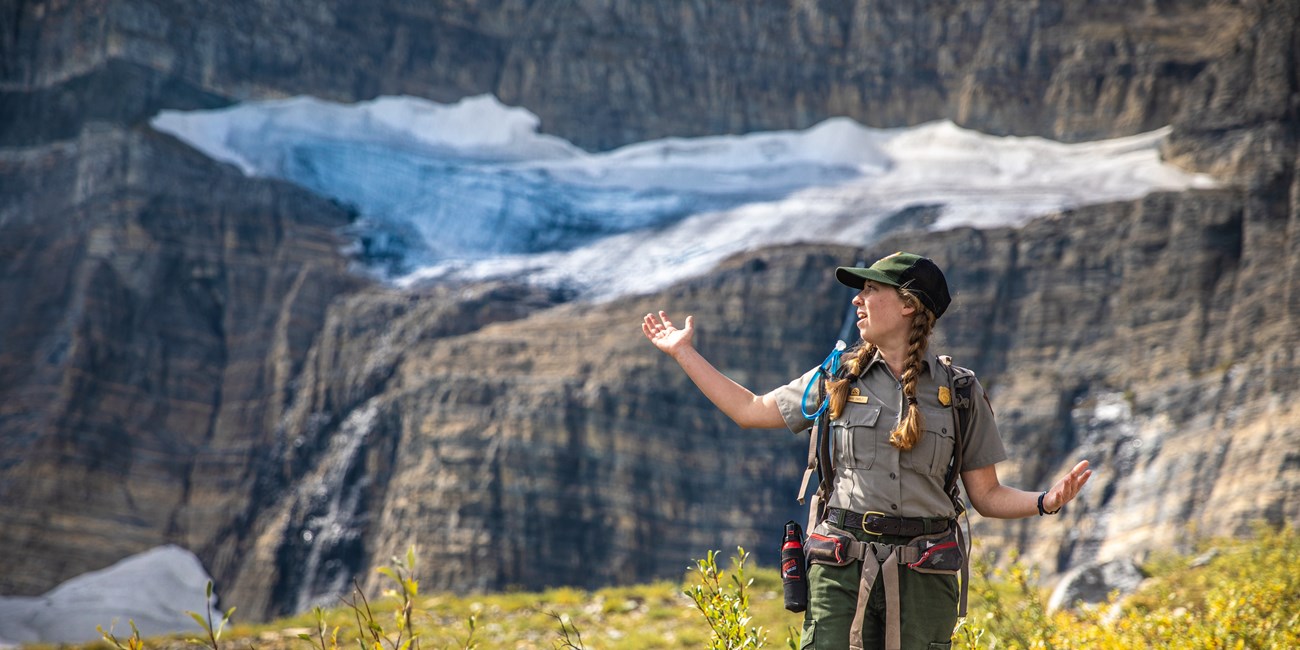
(1064, 490)
(664, 335)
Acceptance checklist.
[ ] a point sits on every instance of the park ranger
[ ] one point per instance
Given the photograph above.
(894, 447)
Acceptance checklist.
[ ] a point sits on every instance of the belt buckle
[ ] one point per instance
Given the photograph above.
(864, 522)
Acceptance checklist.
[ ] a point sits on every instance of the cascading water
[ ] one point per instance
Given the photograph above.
(323, 552)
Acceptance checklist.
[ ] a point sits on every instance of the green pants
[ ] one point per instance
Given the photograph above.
(927, 611)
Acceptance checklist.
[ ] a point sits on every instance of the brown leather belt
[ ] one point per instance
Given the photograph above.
(877, 523)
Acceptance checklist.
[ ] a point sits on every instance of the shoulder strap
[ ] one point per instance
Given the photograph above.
(819, 460)
(961, 384)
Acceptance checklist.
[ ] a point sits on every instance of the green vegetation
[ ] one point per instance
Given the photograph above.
(726, 606)
(1230, 594)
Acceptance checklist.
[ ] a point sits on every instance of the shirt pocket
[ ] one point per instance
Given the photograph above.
(856, 437)
(933, 452)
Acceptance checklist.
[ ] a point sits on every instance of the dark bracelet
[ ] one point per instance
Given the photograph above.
(1042, 512)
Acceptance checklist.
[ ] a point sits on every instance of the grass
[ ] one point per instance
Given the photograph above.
(1231, 593)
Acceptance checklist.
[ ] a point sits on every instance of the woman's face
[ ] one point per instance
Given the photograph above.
(882, 314)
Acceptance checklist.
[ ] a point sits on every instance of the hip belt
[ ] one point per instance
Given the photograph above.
(879, 523)
(941, 553)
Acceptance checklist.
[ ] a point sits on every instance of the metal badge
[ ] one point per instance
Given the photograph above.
(857, 397)
(945, 396)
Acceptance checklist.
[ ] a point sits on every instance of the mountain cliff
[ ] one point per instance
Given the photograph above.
(186, 355)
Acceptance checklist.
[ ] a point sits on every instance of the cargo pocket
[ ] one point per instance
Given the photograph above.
(856, 437)
(806, 639)
(933, 452)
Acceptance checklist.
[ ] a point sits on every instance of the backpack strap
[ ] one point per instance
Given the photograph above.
(819, 460)
(819, 451)
(961, 382)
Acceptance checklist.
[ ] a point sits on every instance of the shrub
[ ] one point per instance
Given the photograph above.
(726, 608)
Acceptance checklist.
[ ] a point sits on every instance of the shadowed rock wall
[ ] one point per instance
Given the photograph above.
(604, 74)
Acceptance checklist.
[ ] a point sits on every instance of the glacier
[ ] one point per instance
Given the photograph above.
(475, 190)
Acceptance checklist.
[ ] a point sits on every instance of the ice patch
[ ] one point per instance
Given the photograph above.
(473, 190)
(154, 589)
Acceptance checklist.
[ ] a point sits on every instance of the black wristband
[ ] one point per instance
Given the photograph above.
(1041, 511)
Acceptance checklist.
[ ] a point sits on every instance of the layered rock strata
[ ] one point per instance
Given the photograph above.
(607, 74)
(185, 357)
(157, 307)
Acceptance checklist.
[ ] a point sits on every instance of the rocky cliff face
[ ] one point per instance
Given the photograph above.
(609, 73)
(185, 358)
(156, 306)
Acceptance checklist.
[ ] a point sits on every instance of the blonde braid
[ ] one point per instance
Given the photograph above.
(838, 389)
(910, 426)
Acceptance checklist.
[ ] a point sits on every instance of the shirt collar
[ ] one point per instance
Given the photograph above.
(929, 362)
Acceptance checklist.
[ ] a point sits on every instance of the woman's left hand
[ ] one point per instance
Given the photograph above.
(1064, 490)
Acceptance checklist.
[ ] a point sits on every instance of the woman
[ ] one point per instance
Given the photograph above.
(893, 435)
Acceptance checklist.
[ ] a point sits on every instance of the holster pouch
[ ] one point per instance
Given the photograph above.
(939, 553)
(829, 545)
(794, 577)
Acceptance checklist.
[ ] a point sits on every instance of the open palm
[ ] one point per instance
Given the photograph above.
(661, 331)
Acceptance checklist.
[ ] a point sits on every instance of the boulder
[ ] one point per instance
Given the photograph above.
(1095, 582)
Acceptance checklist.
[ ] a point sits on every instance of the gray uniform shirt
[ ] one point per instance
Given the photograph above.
(872, 475)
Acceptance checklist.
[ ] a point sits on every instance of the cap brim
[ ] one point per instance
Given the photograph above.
(857, 277)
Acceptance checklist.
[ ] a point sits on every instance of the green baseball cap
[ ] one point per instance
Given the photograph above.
(919, 275)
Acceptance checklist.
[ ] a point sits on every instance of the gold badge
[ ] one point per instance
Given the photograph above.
(945, 396)
(857, 397)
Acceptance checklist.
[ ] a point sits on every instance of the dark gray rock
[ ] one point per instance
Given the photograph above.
(1096, 583)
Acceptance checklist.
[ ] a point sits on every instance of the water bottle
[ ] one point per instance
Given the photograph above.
(793, 578)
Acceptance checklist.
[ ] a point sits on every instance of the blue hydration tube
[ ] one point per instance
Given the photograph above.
(830, 366)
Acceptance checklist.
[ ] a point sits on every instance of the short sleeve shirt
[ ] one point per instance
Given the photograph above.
(872, 475)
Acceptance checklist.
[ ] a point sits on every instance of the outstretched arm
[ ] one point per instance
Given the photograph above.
(992, 499)
(736, 401)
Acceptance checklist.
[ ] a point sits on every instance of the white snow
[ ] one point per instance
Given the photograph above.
(472, 189)
(154, 588)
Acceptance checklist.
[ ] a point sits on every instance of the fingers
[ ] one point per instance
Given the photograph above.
(663, 316)
(649, 326)
(1078, 476)
(1069, 486)
(662, 323)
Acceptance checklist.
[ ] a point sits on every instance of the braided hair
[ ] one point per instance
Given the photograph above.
(911, 425)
